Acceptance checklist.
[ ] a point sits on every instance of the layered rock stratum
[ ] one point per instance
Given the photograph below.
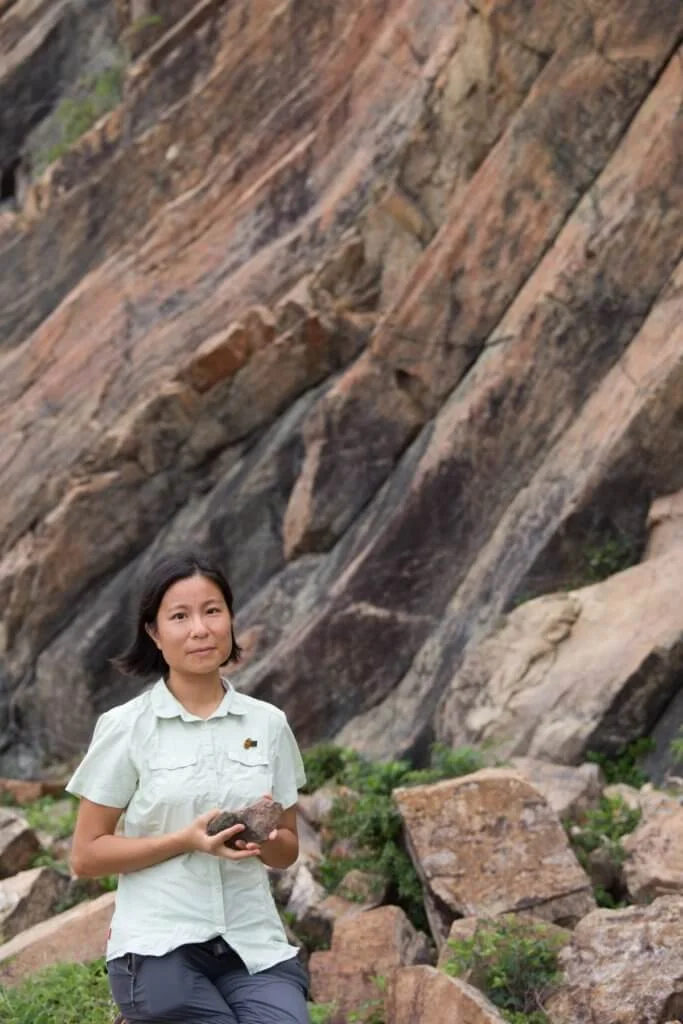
(382, 302)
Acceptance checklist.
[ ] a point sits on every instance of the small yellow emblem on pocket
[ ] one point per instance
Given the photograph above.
(248, 744)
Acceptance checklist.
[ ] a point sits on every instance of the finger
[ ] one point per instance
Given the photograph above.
(206, 817)
(229, 854)
(273, 835)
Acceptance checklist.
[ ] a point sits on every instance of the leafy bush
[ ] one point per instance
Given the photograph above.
(75, 116)
(513, 963)
(676, 748)
(320, 1013)
(372, 1010)
(602, 828)
(624, 766)
(52, 815)
(368, 817)
(64, 994)
(608, 554)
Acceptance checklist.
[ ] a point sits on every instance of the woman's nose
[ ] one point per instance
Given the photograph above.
(198, 628)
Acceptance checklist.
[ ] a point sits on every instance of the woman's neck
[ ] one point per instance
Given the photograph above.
(200, 695)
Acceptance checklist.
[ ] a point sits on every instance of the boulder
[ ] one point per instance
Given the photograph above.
(429, 996)
(488, 844)
(552, 676)
(654, 854)
(29, 897)
(568, 790)
(25, 791)
(75, 936)
(18, 843)
(364, 947)
(623, 967)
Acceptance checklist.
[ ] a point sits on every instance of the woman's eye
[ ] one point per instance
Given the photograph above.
(212, 610)
(178, 615)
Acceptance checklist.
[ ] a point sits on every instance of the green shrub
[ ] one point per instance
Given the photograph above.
(57, 816)
(608, 554)
(603, 828)
(368, 816)
(676, 748)
(75, 116)
(320, 1013)
(513, 963)
(625, 765)
(64, 994)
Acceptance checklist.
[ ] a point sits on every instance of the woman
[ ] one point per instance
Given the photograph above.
(195, 937)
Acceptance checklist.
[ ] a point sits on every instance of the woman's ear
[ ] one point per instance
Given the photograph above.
(151, 630)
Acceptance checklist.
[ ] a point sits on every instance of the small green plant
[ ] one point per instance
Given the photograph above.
(602, 828)
(607, 554)
(514, 963)
(55, 816)
(372, 1010)
(320, 1013)
(676, 748)
(625, 766)
(76, 115)
(145, 21)
(64, 994)
(367, 816)
(325, 762)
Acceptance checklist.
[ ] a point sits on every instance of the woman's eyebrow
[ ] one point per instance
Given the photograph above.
(179, 605)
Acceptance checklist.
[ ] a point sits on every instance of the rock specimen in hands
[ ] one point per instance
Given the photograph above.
(259, 820)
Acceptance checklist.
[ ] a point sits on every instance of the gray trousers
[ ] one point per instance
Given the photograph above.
(207, 983)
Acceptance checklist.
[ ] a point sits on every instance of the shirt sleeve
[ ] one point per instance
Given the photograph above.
(288, 772)
(107, 775)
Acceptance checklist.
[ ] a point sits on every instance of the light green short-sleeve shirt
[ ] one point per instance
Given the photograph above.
(166, 766)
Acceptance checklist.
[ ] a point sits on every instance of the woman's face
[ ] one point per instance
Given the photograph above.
(193, 628)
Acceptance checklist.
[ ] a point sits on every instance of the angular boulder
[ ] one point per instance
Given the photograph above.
(28, 898)
(654, 854)
(429, 996)
(18, 843)
(364, 947)
(75, 936)
(568, 789)
(623, 967)
(488, 844)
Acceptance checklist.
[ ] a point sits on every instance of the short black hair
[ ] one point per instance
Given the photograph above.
(142, 657)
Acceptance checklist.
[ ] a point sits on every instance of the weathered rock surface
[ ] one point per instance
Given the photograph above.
(259, 820)
(18, 843)
(363, 947)
(431, 997)
(28, 898)
(568, 790)
(78, 935)
(488, 844)
(654, 862)
(317, 329)
(558, 674)
(623, 967)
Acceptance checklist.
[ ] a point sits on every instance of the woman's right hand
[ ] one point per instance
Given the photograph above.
(196, 839)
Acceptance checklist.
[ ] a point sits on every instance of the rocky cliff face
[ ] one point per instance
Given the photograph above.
(383, 302)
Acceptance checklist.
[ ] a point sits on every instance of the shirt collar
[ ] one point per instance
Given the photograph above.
(165, 705)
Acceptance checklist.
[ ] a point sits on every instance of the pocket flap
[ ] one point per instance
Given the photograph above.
(252, 756)
(171, 761)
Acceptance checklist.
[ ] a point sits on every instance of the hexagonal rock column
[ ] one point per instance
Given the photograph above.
(488, 844)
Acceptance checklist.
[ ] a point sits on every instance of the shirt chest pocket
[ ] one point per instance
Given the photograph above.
(172, 773)
(247, 774)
